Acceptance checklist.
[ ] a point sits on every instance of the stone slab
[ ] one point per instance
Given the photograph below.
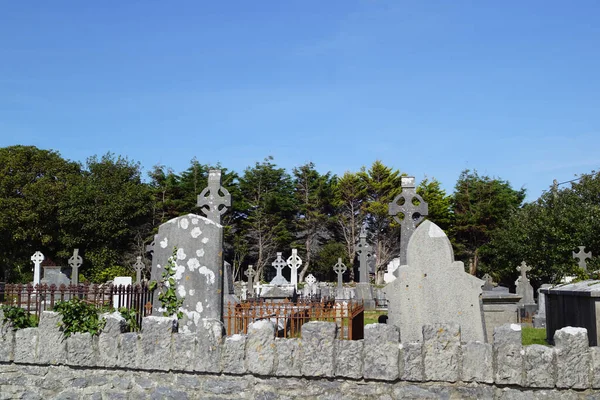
(260, 348)
(318, 348)
(477, 362)
(540, 366)
(82, 349)
(381, 352)
(508, 355)
(26, 344)
(108, 340)
(184, 351)
(233, 354)
(349, 358)
(573, 359)
(52, 348)
(156, 343)
(289, 357)
(441, 352)
(412, 362)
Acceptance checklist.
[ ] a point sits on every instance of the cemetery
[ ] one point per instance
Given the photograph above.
(199, 334)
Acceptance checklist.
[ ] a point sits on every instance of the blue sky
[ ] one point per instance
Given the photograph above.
(510, 88)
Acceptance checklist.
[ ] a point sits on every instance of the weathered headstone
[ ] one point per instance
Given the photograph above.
(53, 275)
(432, 288)
(139, 266)
(489, 282)
(37, 259)
(539, 319)
(229, 296)
(279, 264)
(581, 256)
(413, 214)
(339, 268)
(363, 249)
(250, 272)
(523, 286)
(311, 283)
(198, 267)
(390, 274)
(214, 200)
(75, 262)
(294, 262)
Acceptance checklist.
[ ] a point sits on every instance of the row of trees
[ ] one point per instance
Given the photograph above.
(110, 212)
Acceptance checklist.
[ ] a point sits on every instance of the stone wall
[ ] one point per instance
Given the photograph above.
(161, 363)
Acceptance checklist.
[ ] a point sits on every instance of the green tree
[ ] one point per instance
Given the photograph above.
(104, 212)
(382, 185)
(350, 193)
(314, 197)
(439, 203)
(33, 183)
(327, 257)
(267, 207)
(480, 205)
(544, 234)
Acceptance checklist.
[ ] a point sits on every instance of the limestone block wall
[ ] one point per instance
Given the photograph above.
(160, 362)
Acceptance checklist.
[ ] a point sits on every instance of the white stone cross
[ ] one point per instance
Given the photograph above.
(294, 262)
(75, 262)
(37, 259)
(210, 200)
(581, 255)
(279, 264)
(412, 214)
(524, 268)
(339, 269)
(139, 266)
(250, 272)
(311, 281)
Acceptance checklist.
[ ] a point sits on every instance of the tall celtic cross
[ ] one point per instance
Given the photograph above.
(37, 259)
(294, 262)
(279, 264)
(364, 251)
(211, 202)
(75, 262)
(412, 214)
(339, 268)
(581, 255)
(250, 272)
(524, 269)
(139, 267)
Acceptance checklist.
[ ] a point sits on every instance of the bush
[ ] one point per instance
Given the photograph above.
(18, 317)
(79, 316)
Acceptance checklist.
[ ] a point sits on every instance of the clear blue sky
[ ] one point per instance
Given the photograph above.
(510, 88)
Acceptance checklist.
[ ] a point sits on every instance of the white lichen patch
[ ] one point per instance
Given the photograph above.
(515, 327)
(181, 291)
(196, 232)
(200, 253)
(192, 315)
(199, 307)
(164, 243)
(184, 223)
(192, 292)
(193, 264)
(195, 221)
(210, 276)
(179, 270)
(205, 240)
(181, 254)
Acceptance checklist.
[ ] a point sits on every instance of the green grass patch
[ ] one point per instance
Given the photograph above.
(371, 317)
(534, 336)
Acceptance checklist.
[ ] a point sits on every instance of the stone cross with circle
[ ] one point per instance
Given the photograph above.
(339, 268)
(211, 202)
(581, 255)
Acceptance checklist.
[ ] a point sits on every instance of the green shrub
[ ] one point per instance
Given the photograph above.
(168, 296)
(79, 316)
(130, 316)
(18, 317)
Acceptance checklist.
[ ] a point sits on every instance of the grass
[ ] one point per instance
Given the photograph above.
(371, 317)
(534, 336)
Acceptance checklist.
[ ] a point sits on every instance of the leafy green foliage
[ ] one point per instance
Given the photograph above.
(108, 274)
(130, 316)
(480, 205)
(79, 316)
(168, 295)
(18, 317)
(438, 202)
(327, 257)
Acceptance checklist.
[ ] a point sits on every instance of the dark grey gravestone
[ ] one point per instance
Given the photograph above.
(581, 256)
(413, 214)
(279, 264)
(339, 268)
(75, 262)
(539, 319)
(199, 267)
(364, 251)
(434, 289)
(139, 267)
(229, 296)
(214, 200)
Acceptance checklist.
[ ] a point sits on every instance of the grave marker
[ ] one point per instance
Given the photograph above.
(412, 214)
(250, 272)
(523, 286)
(311, 282)
(37, 259)
(581, 256)
(432, 288)
(279, 264)
(489, 282)
(211, 202)
(294, 262)
(339, 268)
(75, 262)
(139, 266)
(363, 249)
